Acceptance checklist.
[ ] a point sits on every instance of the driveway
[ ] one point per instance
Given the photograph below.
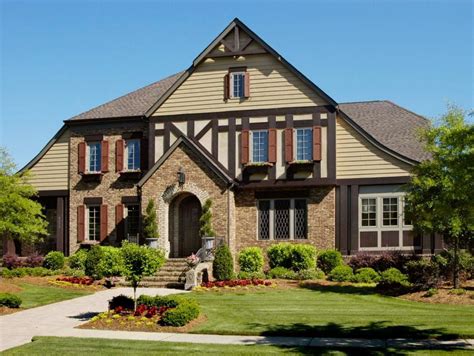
(18, 328)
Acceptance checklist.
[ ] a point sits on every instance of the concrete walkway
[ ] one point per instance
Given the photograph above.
(60, 319)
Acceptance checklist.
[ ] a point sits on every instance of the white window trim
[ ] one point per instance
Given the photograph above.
(401, 227)
(88, 156)
(251, 146)
(231, 85)
(295, 144)
(125, 153)
(87, 237)
(271, 217)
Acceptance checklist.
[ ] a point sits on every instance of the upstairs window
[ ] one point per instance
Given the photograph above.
(94, 156)
(132, 153)
(260, 146)
(237, 84)
(304, 144)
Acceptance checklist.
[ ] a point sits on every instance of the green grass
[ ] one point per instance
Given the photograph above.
(34, 295)
(330, 312)
(86, 346)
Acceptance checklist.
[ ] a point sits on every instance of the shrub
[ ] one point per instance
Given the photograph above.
(366, 275)
(393, 259)
(392, 278)
(341, 273)
(111, 263)
(27, 271)
(121, 301)
(279, 255)
(445, 263)
(186, 311)
(329, 259)
(457, 291)
(251, 260)
(92, 263)
(11, 261)
(362, 261)
(251, 275)
(54, 260)
(282, 273)
(223, 266)
(303, 257)
(158, 301)
(73, 272)
(34, 261)
(423, 274)
(306, 274)
(78, 260)
(10, 300)
(430, 292)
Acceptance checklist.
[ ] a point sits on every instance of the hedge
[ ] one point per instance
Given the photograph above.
(10, 300)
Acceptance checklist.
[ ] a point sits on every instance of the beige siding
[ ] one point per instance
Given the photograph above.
(51, 171)
(357, 158)
(271, 86)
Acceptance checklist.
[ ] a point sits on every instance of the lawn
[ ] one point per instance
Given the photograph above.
(83, 346)
(330, 312)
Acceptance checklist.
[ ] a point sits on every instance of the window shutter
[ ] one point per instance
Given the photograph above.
(144, 154)
(103, 222)
(119, 222)
(317, 143)
(245, 146)
(104, 157)
(288, 144)
(82, 157)
(247, 85)
(272, 143)
(119, 152)
(81, 212)
(226, 86)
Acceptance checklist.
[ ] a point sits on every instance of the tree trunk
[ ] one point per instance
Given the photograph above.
(456, 263)
(135, 285)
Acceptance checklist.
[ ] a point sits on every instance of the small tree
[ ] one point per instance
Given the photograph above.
(440, 194)
(150, 226)
(205, 220)
(140, 261)
(21, 218)
(223, 265)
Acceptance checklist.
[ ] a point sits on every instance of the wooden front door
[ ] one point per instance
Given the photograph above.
(189, 213)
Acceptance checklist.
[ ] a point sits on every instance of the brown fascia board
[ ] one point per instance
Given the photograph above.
(104, 120)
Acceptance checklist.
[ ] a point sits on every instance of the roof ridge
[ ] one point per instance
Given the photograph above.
(365, 101)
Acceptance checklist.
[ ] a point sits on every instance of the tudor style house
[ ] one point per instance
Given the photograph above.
(279, 158)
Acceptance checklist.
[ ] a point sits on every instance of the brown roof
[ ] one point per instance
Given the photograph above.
(135, 103)
(393, 126)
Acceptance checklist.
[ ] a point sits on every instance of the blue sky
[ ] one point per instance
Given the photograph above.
(60, 58)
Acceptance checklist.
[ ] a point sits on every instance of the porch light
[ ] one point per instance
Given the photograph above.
(181, 176)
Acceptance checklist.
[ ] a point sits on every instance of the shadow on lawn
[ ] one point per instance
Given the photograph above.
(339, 288)
(355, 351)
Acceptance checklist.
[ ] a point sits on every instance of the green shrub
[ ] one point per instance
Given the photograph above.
(121, 301)
(28, 271)
(78, 260)
(430, 292)
(282, 273)
(303, 257)
(111, 264)
(445, 263)
(186, 311)
(392, 278)
(366, 275)
(457, 291)
(251, 260)
(329, 259)
(251, 275)
(158, 301)
(306, 274)
(73, 272)
(54, 260)
(223, 266)
(10, 300)
(93, 260)
(279, 255)
(341, 274)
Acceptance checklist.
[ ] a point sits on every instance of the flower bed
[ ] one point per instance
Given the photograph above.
(237, 283)
(76, 280)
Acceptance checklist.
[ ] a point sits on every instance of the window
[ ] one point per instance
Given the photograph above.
(94, 153)
(93, 223)
(132, 154)
(304, 144)
(369, 212)
(260, 146)
(282, 219)
(132, 219)
(390, 212)
(237, 84)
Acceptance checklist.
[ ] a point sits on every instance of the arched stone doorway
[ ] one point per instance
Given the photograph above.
(184, 213)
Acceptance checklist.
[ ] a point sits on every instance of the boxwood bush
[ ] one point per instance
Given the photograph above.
(341, 274)
(223, 265)
(250, 275)
(92, 263)
(251, 260)
(279, 255)
(111, 263)
(306, 274)
(10, 300)
(54, 260)
(78, 260)
(158, 301)
(282, 273)
(366, 275)
(329, 259)
(393, 279)
(303, 257)
(187, 310)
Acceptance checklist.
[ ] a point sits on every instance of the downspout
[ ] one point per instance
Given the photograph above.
(228, 213)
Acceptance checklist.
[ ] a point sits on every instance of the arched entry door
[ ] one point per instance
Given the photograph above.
(186, 226)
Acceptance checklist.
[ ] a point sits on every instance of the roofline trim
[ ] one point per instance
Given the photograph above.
(103, 119)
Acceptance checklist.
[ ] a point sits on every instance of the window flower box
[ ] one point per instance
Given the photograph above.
(131, 174)
(257, 167)
(299, 168)
(92, 176)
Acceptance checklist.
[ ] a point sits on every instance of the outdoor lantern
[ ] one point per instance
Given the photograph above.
(181, 176)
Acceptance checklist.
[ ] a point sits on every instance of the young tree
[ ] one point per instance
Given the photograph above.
(21, 218)
(205, 221)
(440, 194)
(140, 261)
(150, 227)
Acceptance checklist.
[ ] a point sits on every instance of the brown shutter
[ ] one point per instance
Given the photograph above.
(103, 222)
(245, 146)
(81, 212)
(272, 143)
(144, 154)
(317, 143)
(288, 144)
(226, 86)
(104, 157)
(119, 151)
(247, 84)
(119, 222)
(82, 157)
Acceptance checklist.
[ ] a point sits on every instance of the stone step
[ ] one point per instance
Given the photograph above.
(175, 285)
(170, 273)
(164, 278)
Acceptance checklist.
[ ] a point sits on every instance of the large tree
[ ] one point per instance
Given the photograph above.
(21, 217)
(441, 192)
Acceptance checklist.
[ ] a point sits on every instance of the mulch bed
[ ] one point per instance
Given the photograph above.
(443, 296)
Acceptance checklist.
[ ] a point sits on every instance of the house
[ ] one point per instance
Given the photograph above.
(280, 159)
